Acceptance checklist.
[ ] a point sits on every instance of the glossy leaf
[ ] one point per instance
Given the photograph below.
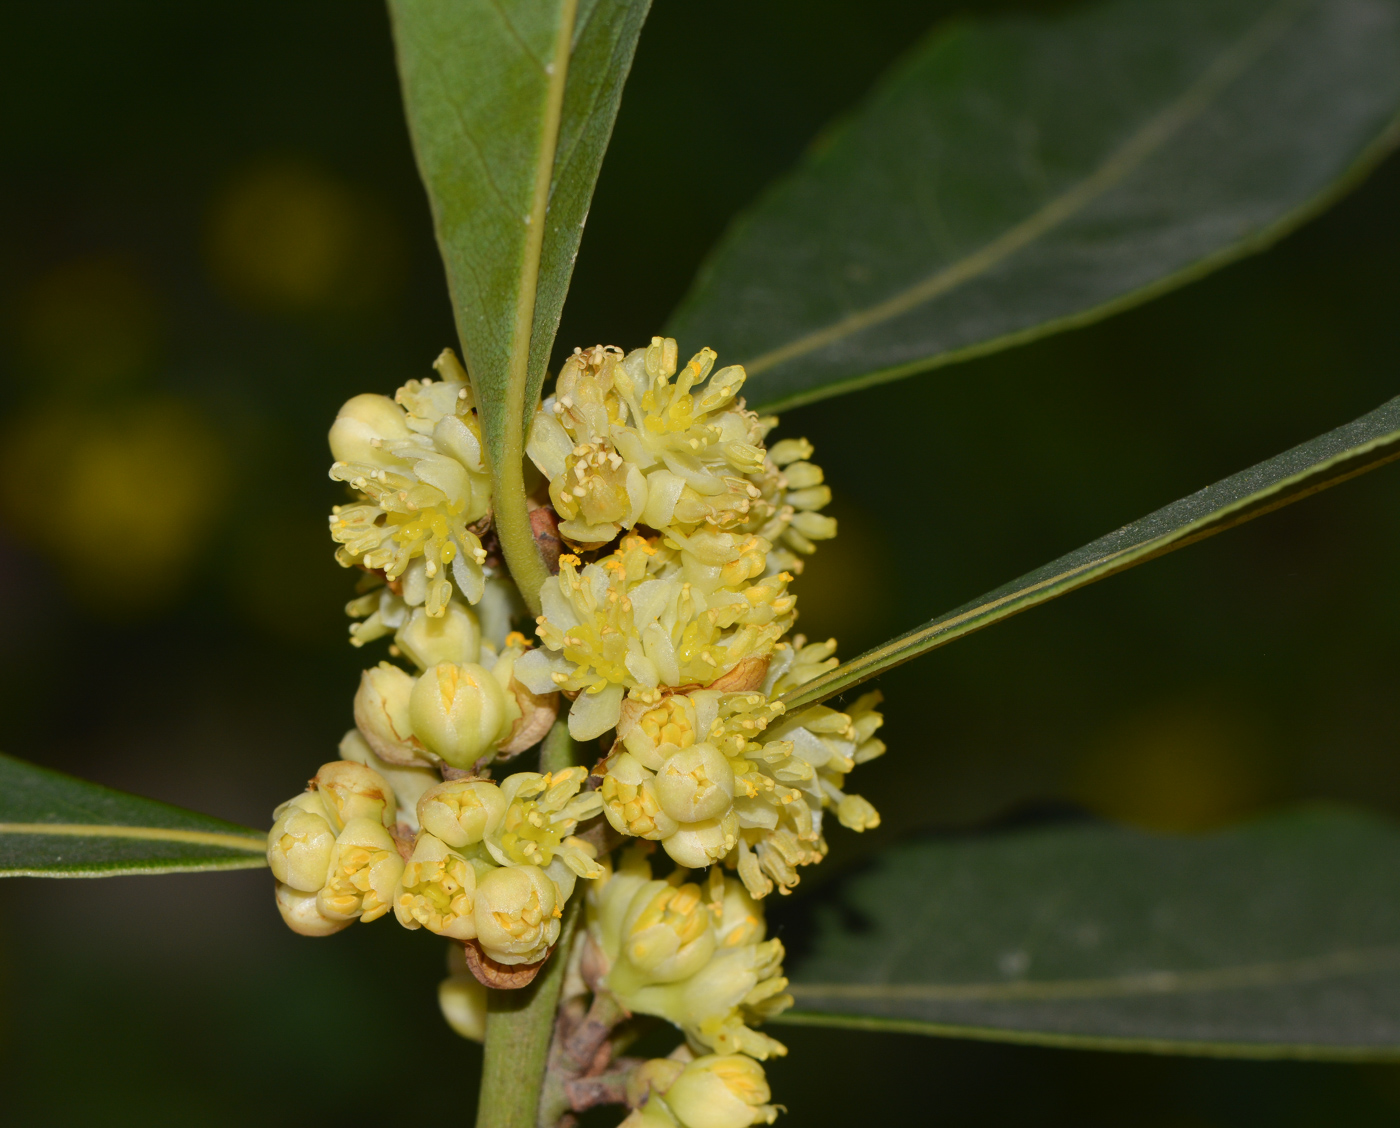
(52, 825)
(511, 104)
(1014, 178)
(1278, 939)
(1343, 453)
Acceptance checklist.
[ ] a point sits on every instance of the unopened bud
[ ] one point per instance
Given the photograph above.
(666, 935)
(364, 871)
(453, 636)
(362, 425)
(459, 811)
(695, 783)
(721, 1091)
(458, 710)
(300, 911)
(435, 890)
(463, 1003)
(517, 915)
(382, 714)
(353, 791)
(857, 813)
(408, 783)
(300, 842)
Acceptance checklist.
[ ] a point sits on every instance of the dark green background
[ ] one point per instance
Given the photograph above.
(1242, 674)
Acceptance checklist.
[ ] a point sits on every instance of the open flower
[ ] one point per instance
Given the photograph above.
(624, 444)
(517, 911)
(536, 822)
(417, 463)
(647, 616)
(435, 890)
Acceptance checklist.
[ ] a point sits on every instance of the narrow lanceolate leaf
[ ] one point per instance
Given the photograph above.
(1362, 445)
(1014, 178)
(1279, 939)
(511, 104)
(52, 825)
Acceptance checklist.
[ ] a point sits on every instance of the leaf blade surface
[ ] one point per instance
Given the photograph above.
(1280, 939)
(53, 825)
(1011, 179)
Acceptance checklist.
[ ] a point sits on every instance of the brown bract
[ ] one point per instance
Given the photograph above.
(537, 714)
(502, 977)
(544, 525)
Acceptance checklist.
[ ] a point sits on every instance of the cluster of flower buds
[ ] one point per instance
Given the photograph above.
(489, 863)
(691, 954)
(666, 630)
(713, 1091)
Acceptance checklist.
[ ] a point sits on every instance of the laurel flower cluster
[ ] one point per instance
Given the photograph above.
(462, 704)
(666, 630)
(647, 618)
(623, 445)
(726, 777)
(416, 464)
(693, 955)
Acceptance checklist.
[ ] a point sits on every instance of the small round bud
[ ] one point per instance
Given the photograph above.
(667, 933)
(457, 711)
(408, 783)
(453, 636)
(517, 915)
(361, 427)
(435, 890)
(695, 783)
(300, 912)
(721, 1091)
(353, 791)
(459, 811)
(463, 1003)
(364, 871)
(300, 842)
(695, 845)
(382, 714)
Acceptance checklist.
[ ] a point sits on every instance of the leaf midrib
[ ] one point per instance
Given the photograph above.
(1227, 67)
(145, 833)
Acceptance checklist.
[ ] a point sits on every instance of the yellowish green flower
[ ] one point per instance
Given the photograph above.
(648, 617)
(436, 889)
(417, 463)
(697, 959)
(517, 911)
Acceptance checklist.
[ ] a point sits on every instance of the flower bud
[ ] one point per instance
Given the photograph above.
(695, 845)
(435, 890)
(364, 871)
(857, 813)
(459, 811)
(408, 783)
(300, 842)
(695, 783)
(721, 1091)
(300, 911)
(463, 1003)
(667, 935)
(630, 801)
(457, 711)
(382, 715)
(361, 428)
(453, 636)
(517, 915)
(353, 791)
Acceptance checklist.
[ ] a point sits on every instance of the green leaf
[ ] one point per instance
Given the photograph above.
(510, 104)
(52, 825)
(1278, 939)
(1016, 178)
(1308, 468)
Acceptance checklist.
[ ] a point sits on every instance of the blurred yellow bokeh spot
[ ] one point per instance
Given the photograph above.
(1180, 766)
(120, 501)
(92, 322)
(286, 237)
